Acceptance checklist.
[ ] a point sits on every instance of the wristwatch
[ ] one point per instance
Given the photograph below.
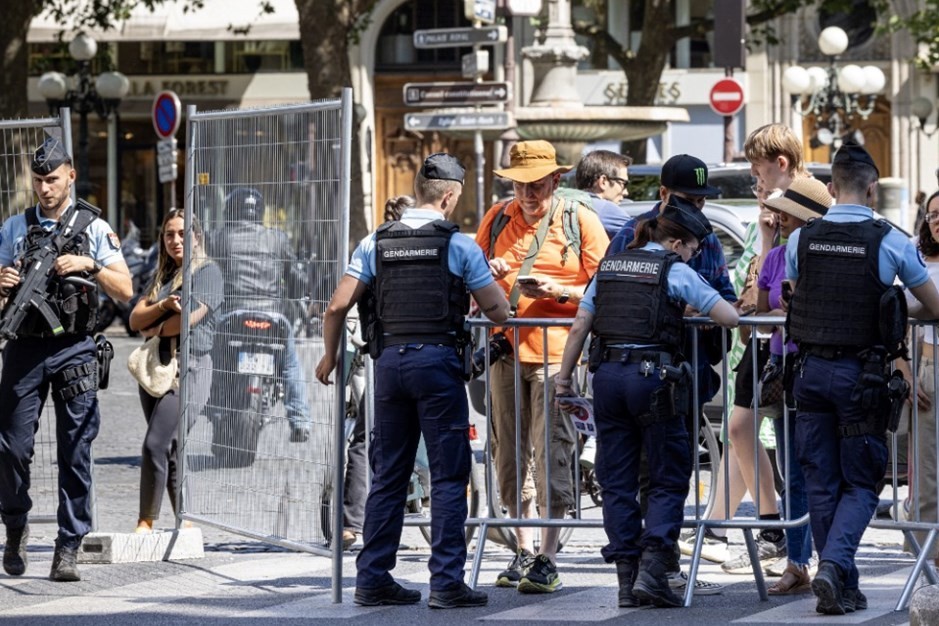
(97, 268)
(565, 296)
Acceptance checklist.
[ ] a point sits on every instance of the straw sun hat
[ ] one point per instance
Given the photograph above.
(530, 161)
(806, 198)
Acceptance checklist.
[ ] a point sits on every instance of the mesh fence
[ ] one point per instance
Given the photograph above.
(18, 140)
(266, 186)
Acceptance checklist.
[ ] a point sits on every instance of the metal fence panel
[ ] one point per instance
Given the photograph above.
(242, 468)
(18, 140)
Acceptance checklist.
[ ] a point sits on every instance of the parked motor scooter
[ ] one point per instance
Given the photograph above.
(142, 264)
(248, 361)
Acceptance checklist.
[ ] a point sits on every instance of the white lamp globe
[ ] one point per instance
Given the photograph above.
(825, 136)
(83, 48)
(796, 80)
(53, 86)
(851, 79)
(819, 77)
(874, 79)
(833, 41)
(921, 108)
(112, 85)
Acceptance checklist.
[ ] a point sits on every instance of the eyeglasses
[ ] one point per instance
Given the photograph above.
(931, 217)
(694, 251)
(616, 179)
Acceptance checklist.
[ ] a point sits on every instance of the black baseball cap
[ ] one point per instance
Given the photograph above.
(687, 174)
(686, 214)
(49, 157)
(851, 152)
(443, 166)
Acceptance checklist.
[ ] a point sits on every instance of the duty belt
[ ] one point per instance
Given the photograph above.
(636, 355)
(830, 352)
(397, 340)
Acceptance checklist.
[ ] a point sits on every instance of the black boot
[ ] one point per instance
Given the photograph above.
(626, 572)
(652, 583)
(14, 553)
(828, 587)
(64, 564)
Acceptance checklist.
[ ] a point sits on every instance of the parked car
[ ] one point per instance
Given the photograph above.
(733, 179)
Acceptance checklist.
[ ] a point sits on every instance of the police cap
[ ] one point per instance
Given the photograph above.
(49, 157)
(687, 215)
(443, 166)
(851, 152)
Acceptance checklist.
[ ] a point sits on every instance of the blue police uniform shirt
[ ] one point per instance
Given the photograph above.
(683, 284)
(104, 246)
(898, 256)
(465, 258)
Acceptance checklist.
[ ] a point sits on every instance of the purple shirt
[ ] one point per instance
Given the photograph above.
(771, 279)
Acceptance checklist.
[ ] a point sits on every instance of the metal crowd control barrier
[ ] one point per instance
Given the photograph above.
(18, 140)
(243, 467)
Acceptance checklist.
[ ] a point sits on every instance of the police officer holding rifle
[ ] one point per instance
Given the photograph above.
(53, 259)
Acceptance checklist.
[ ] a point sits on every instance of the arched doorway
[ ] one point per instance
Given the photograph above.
(399, 151)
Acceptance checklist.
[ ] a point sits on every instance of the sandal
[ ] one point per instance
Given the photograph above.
(794, 580)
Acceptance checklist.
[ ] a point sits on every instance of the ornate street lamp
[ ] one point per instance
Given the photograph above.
(834, 96)
(922, 108)
(81, 94)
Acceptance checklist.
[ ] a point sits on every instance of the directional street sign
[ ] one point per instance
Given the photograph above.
(457, 94)
(475, 120)
(459, 37)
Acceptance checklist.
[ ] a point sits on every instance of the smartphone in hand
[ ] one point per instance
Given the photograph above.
(527, 280)
(786, 291)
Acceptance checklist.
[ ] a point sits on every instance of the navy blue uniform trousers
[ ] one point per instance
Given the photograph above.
(841, 473)
(30, 368)
(418, 389)
(620, 396)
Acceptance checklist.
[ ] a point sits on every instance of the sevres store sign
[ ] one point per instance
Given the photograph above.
(189, 87)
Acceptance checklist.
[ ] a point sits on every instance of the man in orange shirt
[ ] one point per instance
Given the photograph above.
(553, 282)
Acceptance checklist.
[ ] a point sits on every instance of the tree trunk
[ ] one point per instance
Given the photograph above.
(15, 58)
(326, 30)
(644, 72)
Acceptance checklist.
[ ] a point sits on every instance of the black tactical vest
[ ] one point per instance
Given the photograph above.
(837, 301)
(76, 306)
(418, 299)
(632, 301)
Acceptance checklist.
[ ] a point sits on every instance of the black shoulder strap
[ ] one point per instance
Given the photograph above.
(31, 219)
(498, 223)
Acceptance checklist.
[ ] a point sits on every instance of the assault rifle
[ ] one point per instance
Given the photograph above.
(38, 270)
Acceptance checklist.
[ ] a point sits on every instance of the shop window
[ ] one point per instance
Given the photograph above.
(396, 51)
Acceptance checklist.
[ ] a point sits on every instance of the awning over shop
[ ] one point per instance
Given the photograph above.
(218, 20)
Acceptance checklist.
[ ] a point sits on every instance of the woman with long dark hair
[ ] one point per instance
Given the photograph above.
(160, 314)
(634, 307)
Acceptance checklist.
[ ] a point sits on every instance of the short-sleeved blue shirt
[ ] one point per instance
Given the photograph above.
(683, 284)
(104, 246)
(898, 256)
(465, 257)
(612, 216)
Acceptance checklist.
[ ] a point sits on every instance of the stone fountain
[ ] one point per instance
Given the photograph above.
(556, 112)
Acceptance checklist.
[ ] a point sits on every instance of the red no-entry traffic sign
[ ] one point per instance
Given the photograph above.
(726, 96)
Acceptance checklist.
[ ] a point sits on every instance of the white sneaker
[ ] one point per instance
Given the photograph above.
(679, 581)
(589, 453)
(714, 548)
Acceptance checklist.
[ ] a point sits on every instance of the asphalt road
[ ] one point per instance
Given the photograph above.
(254, 583)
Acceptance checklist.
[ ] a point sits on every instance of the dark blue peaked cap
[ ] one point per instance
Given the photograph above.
(687, 215)
(49, 157)
(443, 166)
(851, 152)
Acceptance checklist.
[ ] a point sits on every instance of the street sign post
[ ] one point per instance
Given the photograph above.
(469, 121)
(460, 37)
(167, 155)
(726, 97)
(475, 64)
(456, 94)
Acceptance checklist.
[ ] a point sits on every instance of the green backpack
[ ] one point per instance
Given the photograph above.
(573, 199)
